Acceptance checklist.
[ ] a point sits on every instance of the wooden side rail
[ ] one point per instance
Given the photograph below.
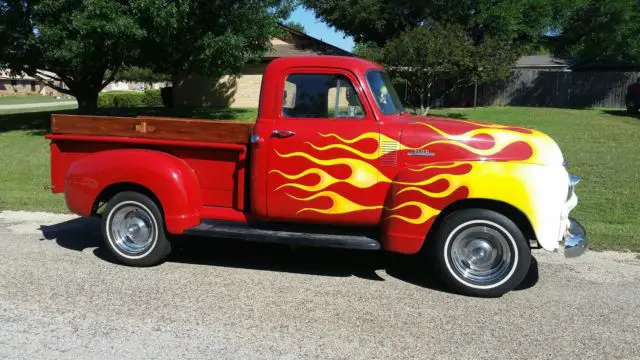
(150, 127)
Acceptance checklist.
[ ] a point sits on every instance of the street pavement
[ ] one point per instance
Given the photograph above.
(37, 105)
(61, 297)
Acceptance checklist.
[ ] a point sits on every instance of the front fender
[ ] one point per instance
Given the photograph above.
(419, 194)
(169, 178)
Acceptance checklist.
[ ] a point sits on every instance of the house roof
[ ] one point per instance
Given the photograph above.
(541, 61)
(301, 44)
(6, 74)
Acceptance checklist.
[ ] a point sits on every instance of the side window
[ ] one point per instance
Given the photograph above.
(320, 96)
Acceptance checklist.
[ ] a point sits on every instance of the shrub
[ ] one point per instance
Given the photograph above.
(105, 100)
(130, 99)
(152, 98)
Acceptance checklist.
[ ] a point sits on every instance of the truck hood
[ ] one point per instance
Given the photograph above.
(429, 139)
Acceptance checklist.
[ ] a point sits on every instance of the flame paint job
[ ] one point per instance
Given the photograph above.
(471, 161)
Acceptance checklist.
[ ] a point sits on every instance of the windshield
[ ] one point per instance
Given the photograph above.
(386, 96)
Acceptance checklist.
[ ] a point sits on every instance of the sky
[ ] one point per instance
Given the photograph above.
(318, 29)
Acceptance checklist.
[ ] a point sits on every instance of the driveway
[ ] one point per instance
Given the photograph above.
(61, 297)
(38, 105)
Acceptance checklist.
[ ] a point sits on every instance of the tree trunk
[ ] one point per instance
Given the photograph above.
(87, 101)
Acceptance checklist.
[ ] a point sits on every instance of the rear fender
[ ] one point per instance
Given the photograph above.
(170, 179)
(420, 194)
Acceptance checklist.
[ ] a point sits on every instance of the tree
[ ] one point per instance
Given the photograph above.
(295, 26)
(209, 38)
(428, 54)
(84, 42)
(468, 40)
(519, 21)
(138, 74)
(87, 42)
(601, 32)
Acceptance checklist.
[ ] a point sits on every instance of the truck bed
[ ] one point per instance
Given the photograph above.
(150, 127)
(215, 149)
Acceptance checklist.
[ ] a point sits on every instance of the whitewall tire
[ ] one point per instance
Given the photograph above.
(133, 230)
(480, 252)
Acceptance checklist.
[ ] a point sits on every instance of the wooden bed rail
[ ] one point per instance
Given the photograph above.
(151, 127)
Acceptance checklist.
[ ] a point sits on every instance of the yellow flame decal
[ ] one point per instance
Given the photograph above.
(448, 166)
(376, 154)
(488, 125)
(500, 181)
(426, 212)
(363, 175)
(431, 194)
(543, 147)
(502, 138)
(341, 205)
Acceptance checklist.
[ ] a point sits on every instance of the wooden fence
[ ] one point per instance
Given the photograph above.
(534, 87)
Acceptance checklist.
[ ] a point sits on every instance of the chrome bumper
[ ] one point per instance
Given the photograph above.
(575, 241)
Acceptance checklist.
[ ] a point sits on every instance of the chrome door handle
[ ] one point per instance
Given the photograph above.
(282, 133)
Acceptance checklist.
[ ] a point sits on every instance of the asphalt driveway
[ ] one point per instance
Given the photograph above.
(61, 297)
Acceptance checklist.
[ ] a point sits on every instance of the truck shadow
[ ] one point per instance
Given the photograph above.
(83, 233)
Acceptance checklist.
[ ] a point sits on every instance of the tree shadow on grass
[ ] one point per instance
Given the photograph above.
(82, 233)
(39, 122)
(622, 113)
(455, 115)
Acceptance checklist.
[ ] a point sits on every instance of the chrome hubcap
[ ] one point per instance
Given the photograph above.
(481, 254)
(132, 230)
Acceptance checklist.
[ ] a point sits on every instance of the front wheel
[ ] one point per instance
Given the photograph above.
(481, 252)
(133, 230)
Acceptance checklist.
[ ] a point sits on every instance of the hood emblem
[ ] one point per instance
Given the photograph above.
(420, 152)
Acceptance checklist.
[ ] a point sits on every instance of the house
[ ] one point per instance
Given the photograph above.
(133, 86)
(244, 90)
(24, 84)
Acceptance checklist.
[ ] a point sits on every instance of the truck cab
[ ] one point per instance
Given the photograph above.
(333, 159)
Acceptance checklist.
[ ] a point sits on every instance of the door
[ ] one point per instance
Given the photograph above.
(323, 151)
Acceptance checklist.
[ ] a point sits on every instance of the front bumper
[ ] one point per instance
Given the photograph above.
(575, 240)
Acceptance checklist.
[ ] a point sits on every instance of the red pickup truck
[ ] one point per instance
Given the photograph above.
(334, 160)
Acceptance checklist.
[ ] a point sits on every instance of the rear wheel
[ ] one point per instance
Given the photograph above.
(632, 109)
(133, 230)
(481, 252)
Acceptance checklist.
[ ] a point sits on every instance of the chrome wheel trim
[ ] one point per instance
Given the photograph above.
(478, 254)
(132, 230)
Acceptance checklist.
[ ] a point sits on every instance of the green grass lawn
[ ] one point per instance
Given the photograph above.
(30, 99)
(600, 146)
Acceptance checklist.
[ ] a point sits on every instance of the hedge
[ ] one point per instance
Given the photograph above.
(130, 99)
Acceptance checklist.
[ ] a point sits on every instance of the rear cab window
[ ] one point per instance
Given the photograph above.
(308, 95)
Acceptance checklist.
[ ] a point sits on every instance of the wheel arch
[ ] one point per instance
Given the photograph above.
(167, 179)
(110, 191)
(513, 213)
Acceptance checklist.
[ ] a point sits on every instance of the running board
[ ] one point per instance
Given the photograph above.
(283, 234)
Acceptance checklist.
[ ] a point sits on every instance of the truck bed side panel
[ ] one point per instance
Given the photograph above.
(220, 172)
